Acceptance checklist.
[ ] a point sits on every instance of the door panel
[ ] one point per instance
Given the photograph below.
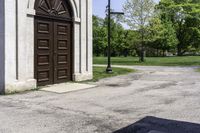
(52, 51)
(62, 56)
(43, 51)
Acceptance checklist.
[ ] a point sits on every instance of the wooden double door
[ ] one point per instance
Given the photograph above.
(53, 51)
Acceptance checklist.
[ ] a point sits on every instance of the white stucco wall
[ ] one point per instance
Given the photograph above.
(83, 58)
(19, 43)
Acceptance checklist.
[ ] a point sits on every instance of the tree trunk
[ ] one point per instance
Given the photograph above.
(142, 47)
(141, 59)
(163, 53)
(142, 56)
(125, 52)
(179, 50)
(157, 52)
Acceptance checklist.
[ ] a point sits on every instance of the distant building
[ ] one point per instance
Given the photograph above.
(44, 42)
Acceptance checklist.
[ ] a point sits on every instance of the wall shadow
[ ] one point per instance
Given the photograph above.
(2, 47)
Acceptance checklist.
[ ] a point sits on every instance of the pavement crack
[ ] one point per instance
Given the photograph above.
(157, 87)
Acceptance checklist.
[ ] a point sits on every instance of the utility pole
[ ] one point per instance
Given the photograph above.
(109, 68)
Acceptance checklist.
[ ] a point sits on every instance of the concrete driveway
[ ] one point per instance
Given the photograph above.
(165, 92)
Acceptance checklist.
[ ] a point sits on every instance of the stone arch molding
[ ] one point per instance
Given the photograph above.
(31, 10)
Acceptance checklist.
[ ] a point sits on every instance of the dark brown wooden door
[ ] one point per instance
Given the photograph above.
(52, 51)
(62, 55)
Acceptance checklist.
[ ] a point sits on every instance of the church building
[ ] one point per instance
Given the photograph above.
(44, 42)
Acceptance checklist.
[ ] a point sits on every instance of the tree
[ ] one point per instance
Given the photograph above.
(132, 42)
(162, 34)
(99, 36)
(137, 15)
(185, 16)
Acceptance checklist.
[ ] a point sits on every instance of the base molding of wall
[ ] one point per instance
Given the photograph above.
(82, 76)
(30, 84)
(20, 86)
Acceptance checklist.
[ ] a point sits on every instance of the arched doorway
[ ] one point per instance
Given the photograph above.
(53, 42)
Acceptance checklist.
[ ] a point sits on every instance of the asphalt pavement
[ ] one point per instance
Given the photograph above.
(164, 92)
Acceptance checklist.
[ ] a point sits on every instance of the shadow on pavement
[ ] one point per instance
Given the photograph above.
(157, 125)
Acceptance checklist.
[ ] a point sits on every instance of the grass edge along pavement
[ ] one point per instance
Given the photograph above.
(198, 70)
(99, 72)
(152, 61)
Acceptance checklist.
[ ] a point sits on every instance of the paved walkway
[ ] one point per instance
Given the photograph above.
(166, 92)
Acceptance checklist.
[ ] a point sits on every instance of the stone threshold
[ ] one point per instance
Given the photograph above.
(66, 87)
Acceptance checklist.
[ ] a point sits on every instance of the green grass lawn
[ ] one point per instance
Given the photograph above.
(152, 61)
(100, 72)
(198, 70)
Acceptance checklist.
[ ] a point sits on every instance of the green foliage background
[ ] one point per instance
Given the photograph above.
(172, 29)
